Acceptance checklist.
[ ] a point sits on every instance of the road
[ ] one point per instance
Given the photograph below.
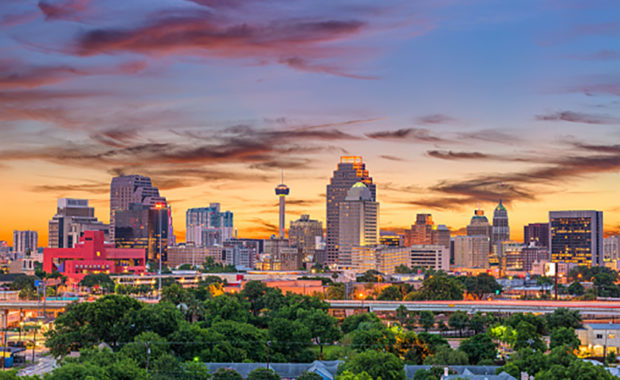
(596, 308)
(44, 364)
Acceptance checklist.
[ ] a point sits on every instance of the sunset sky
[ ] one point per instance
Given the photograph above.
(450, 103)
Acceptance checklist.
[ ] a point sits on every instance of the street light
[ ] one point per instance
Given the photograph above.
(34, 345)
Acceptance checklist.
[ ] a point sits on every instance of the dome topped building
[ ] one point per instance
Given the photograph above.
(358, 192)
(479, 225)
(501, 229)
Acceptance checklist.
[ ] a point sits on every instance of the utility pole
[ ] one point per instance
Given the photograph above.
(148, 352)
(268, 353)
(160, 232)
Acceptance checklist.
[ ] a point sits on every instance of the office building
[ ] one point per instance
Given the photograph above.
(383, 259)
(282, 191)
(537, 233)
(25, 241)
(359, 221)
(479, 225)
(278, 255)
(305, 233)
(501, 228)
(441, 235)
(350, 170)
(532, 254)
(208, 226)
(190, 254)
(73, 217)
(576, 237)
(391, 239)
(436, 257)
(146, 227)
(92, 255)
(132, 189)
(421, 232)
(471, 251)
(611, 248)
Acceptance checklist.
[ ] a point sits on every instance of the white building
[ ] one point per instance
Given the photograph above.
(359, 220)
(436, 257)
(471, 251)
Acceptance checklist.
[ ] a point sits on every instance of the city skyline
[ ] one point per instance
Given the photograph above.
(450, 106)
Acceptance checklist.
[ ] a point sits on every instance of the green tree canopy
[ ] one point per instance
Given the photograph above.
(440, 287)
(479, 347)
(564, 336)
(376, 364)
(263, 374)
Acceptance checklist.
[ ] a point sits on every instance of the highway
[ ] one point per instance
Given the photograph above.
(611, 308)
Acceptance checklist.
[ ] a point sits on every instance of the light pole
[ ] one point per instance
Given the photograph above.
(159, 207)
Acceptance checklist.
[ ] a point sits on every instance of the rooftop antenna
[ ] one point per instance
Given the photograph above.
(282, 175)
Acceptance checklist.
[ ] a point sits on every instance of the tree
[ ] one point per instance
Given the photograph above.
(479, 347)
(147, 344)
(528, 337)
(98, 281)
(348, 375)
(540, 323)
(309, 376)
(225, 308)
(226, 374)
(253, 292)
(480, 285)
(447, 356)
(370, 276)
(194, 370)
(322, 326)
(369, 336)
(351, 323)
(402, 269)
(426, 319)
(263, 374)
(576, 289)
(402, 315)
(433, 341)
(376, 364)
(459, 320)
(563, 317)
(390, 293)
(478, 323)
(440, 287)
(564, 336)
(289, 337)
(410, 348)
(335, 292)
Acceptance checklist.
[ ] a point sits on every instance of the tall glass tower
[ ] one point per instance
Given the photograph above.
(501, 230)
(351, 170)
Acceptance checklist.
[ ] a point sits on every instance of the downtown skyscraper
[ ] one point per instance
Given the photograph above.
(351, 170)
(501, 228)
(576, 237)
(208, 226)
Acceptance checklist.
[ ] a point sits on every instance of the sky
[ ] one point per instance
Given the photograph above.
(451, 104)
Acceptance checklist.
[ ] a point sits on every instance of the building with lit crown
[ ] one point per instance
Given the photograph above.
(501, 228)
(351, 170)
(576, 237)
(479, 225)
(92, 255)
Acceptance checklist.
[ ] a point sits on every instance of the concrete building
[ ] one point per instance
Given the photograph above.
(131, 189)
(359, 221)
(92, 255)
(305, 233)
(611, 248)
(208, 226)
(25, 241)
(441, 236)
(73, 217)
(190, 254)
(436, 257)
(383, 259)
(471, 251)
(145, 227)
(421, 232)
(501, 227)
(537, 233)
(278, 255)
(391, 239)
(479, 225)
(598, 339)
(246, 252)
(351, 170)
(532, 254)
(576, 237)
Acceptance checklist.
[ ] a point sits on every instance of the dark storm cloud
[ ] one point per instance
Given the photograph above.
(407, 134)
(577, 117)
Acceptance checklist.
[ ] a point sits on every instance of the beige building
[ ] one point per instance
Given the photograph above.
(436, 257)
(190, 254)
(471, 251)
(303, 234)
(381, 258)
(359, 220)
(278, 255)
(596, 338)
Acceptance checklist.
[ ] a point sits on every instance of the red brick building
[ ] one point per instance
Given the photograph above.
(93, 255)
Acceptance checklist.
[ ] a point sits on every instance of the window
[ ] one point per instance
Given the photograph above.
(599, 336)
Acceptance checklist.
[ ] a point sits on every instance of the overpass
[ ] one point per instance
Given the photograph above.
(595, 308)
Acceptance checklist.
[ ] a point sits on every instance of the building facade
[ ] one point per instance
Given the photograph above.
(73, 217)
(278, 255)
(303, 233)
(537, 233)
(383, 259)
(611, 248)
(144, 227)
(421, 232)
(359, 222)
(208, 226)
(501, 227)
(436, 257)
(471, 251)
(479, 225)
(25, 241)
(131, 189)
(576, 237)
(351, 170)
(92, 255)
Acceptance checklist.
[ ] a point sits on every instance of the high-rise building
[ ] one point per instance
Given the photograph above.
(441, 235)
(278, 255)
(479, 225)
(501, 229)
(576, 237)
(73, 217)
(282, 191)
(143, 226)
(537, 233)
(359, 221)
(208, 226)
(532, 254)
(25, 241)
(130, 189)
(421, 232)
(611, 248)
(471, 251)
(303, 234)
(350, 170)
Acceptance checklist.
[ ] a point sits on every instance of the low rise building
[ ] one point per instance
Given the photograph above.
(598, 339)
(436, 257)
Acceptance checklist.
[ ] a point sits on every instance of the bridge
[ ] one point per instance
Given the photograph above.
(594, 308)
